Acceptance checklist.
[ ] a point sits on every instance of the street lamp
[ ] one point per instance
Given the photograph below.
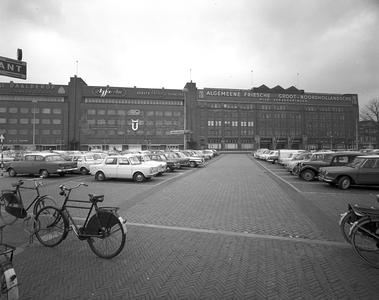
(331, 142)
(185, 90)
(34, 124)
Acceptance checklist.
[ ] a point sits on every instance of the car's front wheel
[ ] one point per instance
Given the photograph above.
(44, 173)
(12, 173)
(344, 183)
(100, 176)
(139, 177)
(308, 175)
(193, 164)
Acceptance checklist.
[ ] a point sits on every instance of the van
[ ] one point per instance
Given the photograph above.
(283, 154)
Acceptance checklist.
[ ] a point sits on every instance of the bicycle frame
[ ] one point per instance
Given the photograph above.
(16, 191)
(98, 210)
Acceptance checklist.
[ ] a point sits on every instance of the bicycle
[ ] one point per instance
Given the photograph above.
(11, 204)
(8, 278)
(104, 230)
(354, 212)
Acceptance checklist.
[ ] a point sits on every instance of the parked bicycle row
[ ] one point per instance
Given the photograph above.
(139, 166)
(103, 228)
(341, 168)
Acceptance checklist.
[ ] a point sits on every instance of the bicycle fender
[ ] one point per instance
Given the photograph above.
(11, 279)
(102, 219)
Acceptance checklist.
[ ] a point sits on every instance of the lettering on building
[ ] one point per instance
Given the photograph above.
(107, 91)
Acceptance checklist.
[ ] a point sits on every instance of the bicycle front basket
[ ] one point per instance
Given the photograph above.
(14, 206)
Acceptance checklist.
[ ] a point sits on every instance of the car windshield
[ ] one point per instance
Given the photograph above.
(357, 162)
(134, 160)
(163, 157)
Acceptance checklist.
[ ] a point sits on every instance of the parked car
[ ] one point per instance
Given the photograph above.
(292, 163)
(284, 154)
(183, 160)
(272, 157)
(145, 158)
(194, 159)
(363, 170)
(308, 170)
(83, 162)
(258, 152)
(315, 156)
(123, 166)
(171, 164)
(42, 163)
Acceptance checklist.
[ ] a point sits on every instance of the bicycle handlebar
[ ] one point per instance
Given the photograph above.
(21, 181)
(64, 188)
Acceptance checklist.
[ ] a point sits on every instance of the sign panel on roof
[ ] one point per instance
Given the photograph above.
(12, 68)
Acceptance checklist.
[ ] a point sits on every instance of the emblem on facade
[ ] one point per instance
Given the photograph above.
(135, 125)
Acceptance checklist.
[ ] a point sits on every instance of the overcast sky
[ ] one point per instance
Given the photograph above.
(323, 46)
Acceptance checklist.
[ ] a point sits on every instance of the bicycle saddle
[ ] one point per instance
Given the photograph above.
(96, 198)
(17, 183)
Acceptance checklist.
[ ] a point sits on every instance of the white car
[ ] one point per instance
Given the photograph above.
(146, 159)
(83, 162)
(128, 167)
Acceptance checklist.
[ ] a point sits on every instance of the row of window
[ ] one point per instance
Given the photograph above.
(30, 132)
(113, 112)
(273, 107)
(31, 98)
(133, 101)
(26, 110)
(25, 121)
(231, 123)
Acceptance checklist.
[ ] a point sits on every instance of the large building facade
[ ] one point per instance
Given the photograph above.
(81, 117)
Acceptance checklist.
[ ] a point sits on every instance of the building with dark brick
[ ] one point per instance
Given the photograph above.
(81, 117)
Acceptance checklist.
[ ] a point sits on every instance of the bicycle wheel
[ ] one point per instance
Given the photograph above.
(8, 281)
(111, 239)
(345, 225)
(6, 217)
(365, 240)
(43, 202)
(52, 226)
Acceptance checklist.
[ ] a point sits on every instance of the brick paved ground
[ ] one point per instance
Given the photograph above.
(229, 230)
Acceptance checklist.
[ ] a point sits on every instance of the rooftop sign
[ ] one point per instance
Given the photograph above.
(12, 68)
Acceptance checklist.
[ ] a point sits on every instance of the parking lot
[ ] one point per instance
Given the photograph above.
(233, 228)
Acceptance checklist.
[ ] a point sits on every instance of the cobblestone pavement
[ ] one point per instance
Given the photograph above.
(228, 230)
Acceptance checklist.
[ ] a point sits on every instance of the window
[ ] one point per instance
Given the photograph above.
(45, 131)
(57, 111)
(45, 121)
(12, 121)
(24, 110)
(111, 112)
(91, 112)
(3, 109)
(101, 112)
(56, 121)
(13, 110)
(46, 110)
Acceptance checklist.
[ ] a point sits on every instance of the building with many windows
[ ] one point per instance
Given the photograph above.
(81, 117)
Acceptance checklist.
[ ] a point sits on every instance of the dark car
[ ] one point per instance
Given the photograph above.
(172, 163)
(363, 170)
(308, 170)
(183, 161)
(43, 163)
